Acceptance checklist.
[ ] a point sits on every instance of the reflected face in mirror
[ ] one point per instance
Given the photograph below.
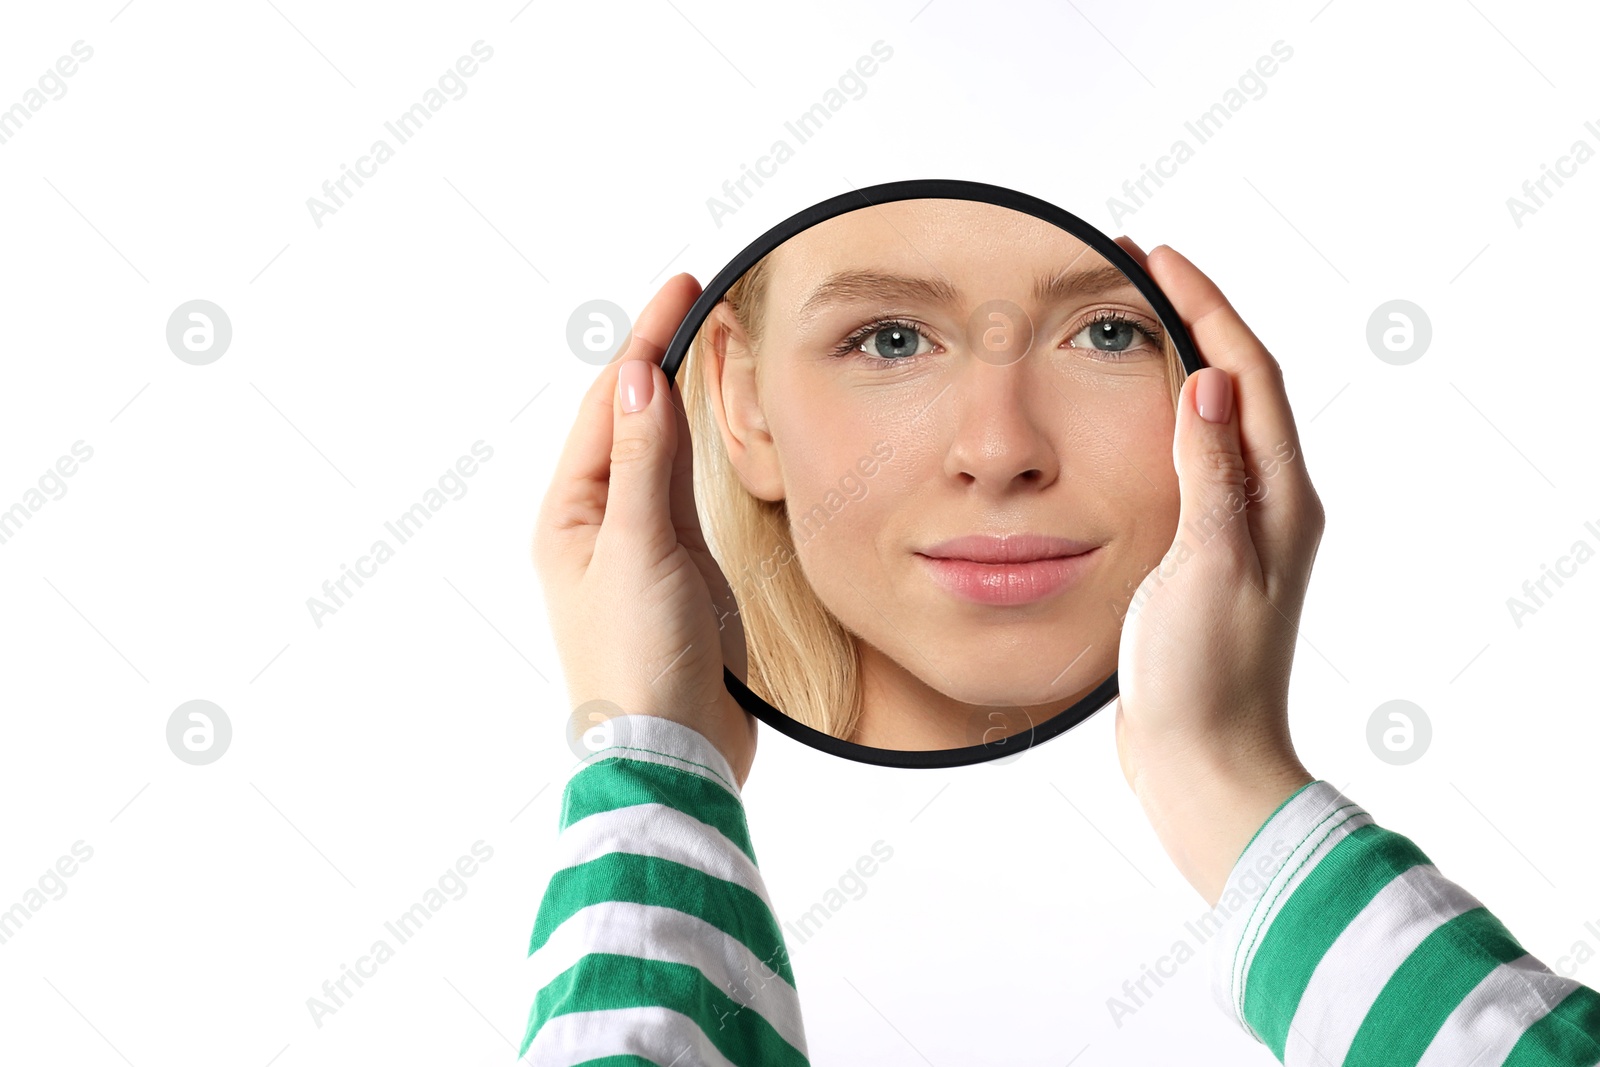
(933, 451)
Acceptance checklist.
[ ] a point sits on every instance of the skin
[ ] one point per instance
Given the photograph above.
(633, 594)
(1064, 439)
(1203, 716)
(1202, 722)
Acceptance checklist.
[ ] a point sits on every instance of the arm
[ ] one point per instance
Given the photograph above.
(654, 941)
(655, 937)
(1342, 944)
(1336, 942)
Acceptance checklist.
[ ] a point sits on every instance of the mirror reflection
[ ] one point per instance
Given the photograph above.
(933, 456)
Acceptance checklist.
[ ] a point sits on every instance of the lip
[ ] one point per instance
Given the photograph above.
(1019, 569)
(1014, 548)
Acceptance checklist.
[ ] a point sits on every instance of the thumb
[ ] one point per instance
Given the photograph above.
(1211, 469)
(643, 443)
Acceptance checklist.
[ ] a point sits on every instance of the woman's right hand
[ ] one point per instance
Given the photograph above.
(641, 613)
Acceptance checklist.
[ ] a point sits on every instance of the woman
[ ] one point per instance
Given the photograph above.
(1340, 943)
(914, 343)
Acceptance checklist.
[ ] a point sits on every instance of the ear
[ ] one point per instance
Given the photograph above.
(731, 388)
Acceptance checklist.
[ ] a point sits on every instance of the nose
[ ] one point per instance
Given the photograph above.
(1001, 427)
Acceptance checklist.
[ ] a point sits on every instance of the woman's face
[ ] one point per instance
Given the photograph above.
(968, 415)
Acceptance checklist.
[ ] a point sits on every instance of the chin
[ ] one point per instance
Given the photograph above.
(1005, 689)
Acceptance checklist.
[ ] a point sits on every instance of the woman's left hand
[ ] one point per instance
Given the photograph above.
(1203, 717)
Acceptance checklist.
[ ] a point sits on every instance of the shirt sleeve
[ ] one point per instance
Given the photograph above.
(655, 941)
(1339, 944)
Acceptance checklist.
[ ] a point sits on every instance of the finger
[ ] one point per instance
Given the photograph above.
(1212, 484)
(685, 515)
(686, 523)
(644, 444)
(1133, 250)
(1269, 439)
(578, 489)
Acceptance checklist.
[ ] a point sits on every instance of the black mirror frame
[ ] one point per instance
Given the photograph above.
(870, 196)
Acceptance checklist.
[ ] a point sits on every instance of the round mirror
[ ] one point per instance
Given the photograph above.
(932, 428)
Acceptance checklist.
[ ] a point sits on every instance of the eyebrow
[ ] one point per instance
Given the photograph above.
(880, 287)
(870, 285)
(1070, 284)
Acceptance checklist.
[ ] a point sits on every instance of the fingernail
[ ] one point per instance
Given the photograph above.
(1213, 395)
(636, 384)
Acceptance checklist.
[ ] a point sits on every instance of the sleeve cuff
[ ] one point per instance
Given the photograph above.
(1278, 858)
(653, 739)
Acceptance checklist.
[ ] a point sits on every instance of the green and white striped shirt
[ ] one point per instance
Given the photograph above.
(655, 941)
(1342, 944)
(1338, 943)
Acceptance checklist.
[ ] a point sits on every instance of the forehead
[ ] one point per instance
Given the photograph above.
(978, 247)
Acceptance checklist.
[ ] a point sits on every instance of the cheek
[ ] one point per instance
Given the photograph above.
(1145, 485)
(847, 488)
(851, 537)
(839, 494)
(830, 442)
(1144, 423)
(843, 531)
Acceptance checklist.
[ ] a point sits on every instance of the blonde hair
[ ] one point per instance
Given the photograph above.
(802, 660)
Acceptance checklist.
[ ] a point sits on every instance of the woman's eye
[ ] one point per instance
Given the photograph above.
(1111, 335)
(895, 342)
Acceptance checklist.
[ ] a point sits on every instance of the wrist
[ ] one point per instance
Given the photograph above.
(1206, 805)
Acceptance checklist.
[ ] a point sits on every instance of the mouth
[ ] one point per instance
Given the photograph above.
(1019, 569)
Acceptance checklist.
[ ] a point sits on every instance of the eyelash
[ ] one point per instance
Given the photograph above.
(1113, 315)
(853, 343)
(856, 340)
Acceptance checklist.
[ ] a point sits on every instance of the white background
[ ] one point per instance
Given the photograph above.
(429, 312)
